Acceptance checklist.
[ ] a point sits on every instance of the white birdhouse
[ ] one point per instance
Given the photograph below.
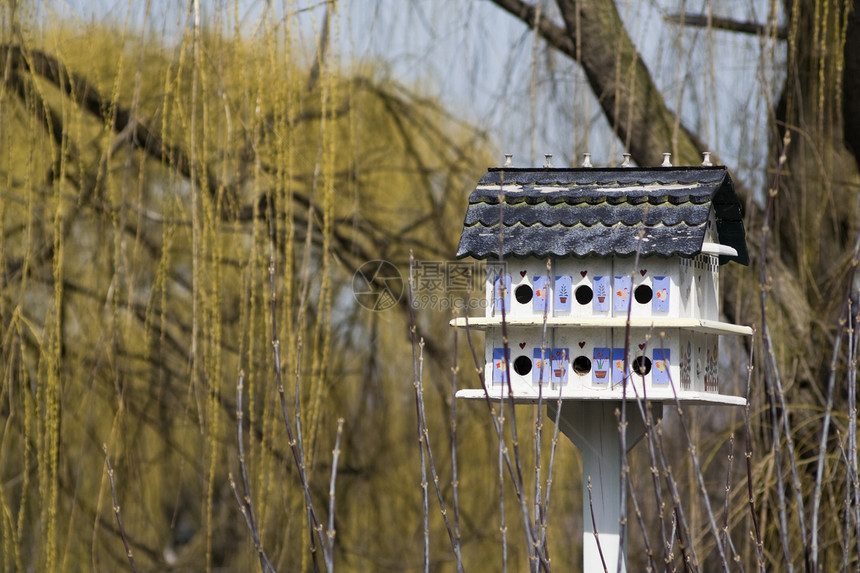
(586, 252)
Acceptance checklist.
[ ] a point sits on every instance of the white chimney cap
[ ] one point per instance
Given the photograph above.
(586, 160)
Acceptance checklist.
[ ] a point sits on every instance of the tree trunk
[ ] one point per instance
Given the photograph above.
(816, 214)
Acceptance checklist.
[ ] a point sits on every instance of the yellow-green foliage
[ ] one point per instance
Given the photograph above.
(136, 238)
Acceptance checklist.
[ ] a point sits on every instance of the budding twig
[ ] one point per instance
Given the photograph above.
(118, 513)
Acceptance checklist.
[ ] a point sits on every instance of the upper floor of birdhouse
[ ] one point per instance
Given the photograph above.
(604, 242)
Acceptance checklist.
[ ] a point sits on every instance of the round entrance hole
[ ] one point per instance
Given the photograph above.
(582, 365)
(643, 294)
(522, 365)
(642, 365)
(523, 294)
(583, 294)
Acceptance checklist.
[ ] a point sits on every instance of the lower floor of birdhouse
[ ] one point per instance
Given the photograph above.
(598, 364)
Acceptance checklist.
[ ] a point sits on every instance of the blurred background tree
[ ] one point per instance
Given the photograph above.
(154, 158)
(145, 186)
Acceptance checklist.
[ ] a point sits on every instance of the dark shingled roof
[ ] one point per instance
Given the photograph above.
(601, 211)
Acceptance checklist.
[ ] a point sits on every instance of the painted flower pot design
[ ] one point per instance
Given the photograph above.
(601, 365)
(559, 365)
(601, 293)
(562, 292)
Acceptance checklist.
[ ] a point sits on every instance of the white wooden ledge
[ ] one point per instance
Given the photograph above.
(695, 324)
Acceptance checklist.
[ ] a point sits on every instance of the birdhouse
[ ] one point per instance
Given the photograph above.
(601, 278)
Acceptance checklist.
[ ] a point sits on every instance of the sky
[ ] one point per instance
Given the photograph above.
(487, 68)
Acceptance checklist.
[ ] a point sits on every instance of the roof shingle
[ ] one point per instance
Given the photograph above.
(601, 212)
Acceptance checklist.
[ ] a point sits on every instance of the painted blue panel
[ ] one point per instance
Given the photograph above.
(662, 289)
(499, 367)
(502, 290)
(560, 365)
(541, 361)
(563, 293)
(617, 365)
(660, 370)
(602, 293)
(541, 290)
(622, 292)
(602, 361)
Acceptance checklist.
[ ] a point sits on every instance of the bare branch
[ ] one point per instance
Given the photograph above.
(728, 24)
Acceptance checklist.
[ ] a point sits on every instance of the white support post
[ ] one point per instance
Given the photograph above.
(593, 428)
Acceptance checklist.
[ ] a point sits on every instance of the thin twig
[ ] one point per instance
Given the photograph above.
(756, 533)
(330, 533)
(548, 490)
(504, 455)
(644, 411)
(296, 448)
(649, 553)
(825, 433)
(651, 435)
(118, 513)
(534, 555)
(728, 488)
(540, 510)
(853, 333)
(424, 434)
(770, 362)
(852, 426)
(622, 428)
(246, 504)
(692, 450)
(850, 488)
(503, 526)
(455, 480)
(515, 443)
(594, 526)
(681, 528)
(791, 453)
(418, 358)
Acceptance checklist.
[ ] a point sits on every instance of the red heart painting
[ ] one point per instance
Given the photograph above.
(522, 273)
(583, 273)
(643, 271)
(522, 344)
(641, 347)
(582, 344)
